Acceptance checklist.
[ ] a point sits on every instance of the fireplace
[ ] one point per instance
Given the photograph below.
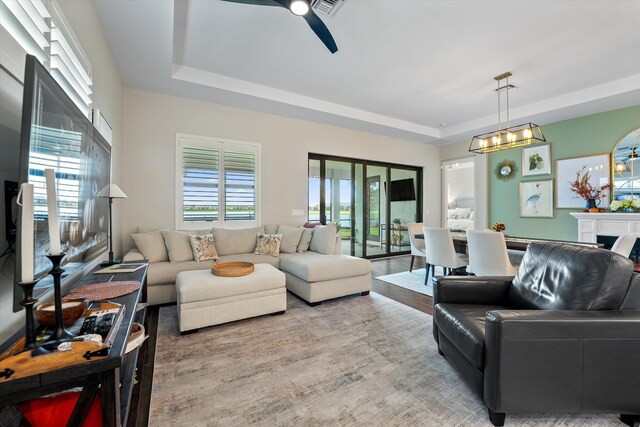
(607, 227)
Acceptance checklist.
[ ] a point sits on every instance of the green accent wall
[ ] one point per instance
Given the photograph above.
(588, 135)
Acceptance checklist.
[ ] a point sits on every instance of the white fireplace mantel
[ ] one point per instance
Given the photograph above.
(592, 225)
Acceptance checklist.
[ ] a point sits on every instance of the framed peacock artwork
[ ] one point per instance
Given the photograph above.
(536, 199)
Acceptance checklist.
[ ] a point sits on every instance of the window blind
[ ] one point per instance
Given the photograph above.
(200, 184)
(41, 29)
(240, 186)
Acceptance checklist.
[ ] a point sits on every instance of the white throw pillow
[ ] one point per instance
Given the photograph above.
(203, 247)
(178, 246)
(268, 244)
(472, 216)
(290, 238)
(151, 245)
(305, 240)
(323, 240)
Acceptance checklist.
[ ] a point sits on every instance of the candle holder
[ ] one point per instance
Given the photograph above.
(60, 334)
(30, 331)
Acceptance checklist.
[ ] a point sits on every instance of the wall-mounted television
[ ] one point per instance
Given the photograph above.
(402, 190)
(55, 134)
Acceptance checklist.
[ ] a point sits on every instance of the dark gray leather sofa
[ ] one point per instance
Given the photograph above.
(562, 336)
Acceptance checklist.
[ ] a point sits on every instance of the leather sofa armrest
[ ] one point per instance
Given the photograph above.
(133, 255)
(471, 290)
(563, 324)
(562, 361)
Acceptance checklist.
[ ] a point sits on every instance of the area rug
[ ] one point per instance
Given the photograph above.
(353, 361)
(413, 280)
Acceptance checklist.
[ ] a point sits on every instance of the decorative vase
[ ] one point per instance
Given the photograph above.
(629, 210)
(591, 204)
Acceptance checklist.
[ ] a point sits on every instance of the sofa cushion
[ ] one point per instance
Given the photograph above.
(240, 241)
(324, 239)
(255, 259)
(178, 246)
(151, 246)
(204, 248)
(314, 267)
(463, 325)
(164, 273)
(556, 276)
(290, 238)
(305, 240)
(268, 244)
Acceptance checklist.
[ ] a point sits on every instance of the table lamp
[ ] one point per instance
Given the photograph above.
(111, 191)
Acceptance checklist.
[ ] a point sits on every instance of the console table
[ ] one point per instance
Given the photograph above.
(113, 374)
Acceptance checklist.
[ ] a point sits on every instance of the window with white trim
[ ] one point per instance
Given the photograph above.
(216, 183)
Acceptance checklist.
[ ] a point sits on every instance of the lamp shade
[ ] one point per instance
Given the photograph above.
(112, 191)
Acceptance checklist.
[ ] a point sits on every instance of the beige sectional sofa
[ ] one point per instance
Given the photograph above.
(317, 274)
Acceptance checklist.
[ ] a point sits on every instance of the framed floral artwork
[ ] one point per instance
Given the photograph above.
(536, 199)
(536, 160)
(598, 167)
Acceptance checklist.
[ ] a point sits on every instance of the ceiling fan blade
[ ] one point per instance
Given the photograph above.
(321, 31)
(257, 2)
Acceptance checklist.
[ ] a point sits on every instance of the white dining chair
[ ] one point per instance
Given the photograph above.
(624, 244)
(440, 251)
(417, 245)
(488, 254)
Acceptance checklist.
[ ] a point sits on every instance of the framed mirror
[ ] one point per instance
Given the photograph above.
(626, 167)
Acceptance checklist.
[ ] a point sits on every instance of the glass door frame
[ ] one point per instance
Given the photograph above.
(363, 233)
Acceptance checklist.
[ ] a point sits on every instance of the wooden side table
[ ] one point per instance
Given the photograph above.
(113, 374)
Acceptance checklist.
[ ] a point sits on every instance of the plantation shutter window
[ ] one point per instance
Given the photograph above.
(200, 174)
(240, 186)
(216, 183)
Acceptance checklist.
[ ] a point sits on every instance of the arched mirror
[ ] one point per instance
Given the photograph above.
(626, 167)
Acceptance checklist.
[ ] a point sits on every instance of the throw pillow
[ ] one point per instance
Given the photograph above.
(203, 247)
(324, 239)
(305, 240)
(268, 244)
(236, 241)
(178, 246)
(290, 238)
(151, 245)
(312, 224)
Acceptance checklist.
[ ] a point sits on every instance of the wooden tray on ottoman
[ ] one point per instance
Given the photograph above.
(232, 269)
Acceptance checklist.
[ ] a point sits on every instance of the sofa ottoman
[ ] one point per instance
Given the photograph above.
(207, 300)
(316, 277)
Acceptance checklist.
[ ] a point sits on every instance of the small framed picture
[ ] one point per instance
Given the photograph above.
(566, 172)
(536, 160)
(536, 199)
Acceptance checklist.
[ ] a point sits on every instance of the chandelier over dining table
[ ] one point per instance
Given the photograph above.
(505, 138)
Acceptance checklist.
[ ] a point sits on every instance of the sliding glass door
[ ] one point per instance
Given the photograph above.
(371, 202)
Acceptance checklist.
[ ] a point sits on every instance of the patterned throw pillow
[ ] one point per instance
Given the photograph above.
(268, 244)
(203, 247)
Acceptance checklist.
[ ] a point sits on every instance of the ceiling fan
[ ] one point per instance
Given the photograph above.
(300, 8)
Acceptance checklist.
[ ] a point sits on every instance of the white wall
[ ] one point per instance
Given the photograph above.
(459, 183)
(460, 150)
(107, 95)
(151, 121)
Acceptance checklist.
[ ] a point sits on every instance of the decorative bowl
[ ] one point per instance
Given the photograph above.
(72, 310)
(232, 269)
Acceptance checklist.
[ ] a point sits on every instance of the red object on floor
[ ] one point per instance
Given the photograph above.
(55, 411)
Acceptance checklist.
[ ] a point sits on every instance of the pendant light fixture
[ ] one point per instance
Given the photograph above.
(509, 136)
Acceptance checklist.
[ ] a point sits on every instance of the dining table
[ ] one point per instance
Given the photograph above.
(516, 246)
(514, 243)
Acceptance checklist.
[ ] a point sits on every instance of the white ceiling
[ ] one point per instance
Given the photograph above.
(403, 68)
